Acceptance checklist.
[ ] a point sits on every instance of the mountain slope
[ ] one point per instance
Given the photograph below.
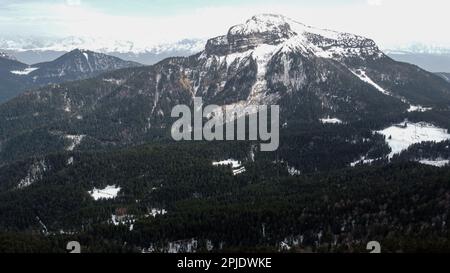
(75, 65)
(10, 83)
(311, 73)
(445, 76)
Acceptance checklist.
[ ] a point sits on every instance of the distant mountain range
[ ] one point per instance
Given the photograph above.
(427, 61)
(431, 58)
(31, 50)
(75, 65)
(420, 48)
(41, 49)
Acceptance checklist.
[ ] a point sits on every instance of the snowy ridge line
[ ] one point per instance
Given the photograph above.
(362, 75)
(291, 35)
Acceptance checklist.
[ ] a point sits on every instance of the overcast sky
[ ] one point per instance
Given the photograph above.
(390, 22)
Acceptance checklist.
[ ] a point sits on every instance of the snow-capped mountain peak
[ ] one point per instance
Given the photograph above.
(263, 23)
(313, 75)
(275, 23)
(290, 35)
(278, 54)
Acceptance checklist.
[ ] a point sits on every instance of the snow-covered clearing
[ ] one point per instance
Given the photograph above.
(236, 165)
(401, 136)
(110, 192)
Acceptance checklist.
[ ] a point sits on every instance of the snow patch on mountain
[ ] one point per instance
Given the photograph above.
(75, 141)
(293, 171)
(401, 136)
(236, 165)
(26, 71)
(262, 54)
(5, 55)
(361, 74)
(109, 192)
(114, 81)
(230, 59)
(419, 108)
(35, 173)
(67, 103)
(435, 162)
(331, 120)
(127, 220)
(86, 55)
(445, 76)
(70, 161)
(181, 246)
(362, 161)
(155, 211)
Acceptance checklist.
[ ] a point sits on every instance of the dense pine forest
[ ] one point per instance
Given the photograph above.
(403, 205)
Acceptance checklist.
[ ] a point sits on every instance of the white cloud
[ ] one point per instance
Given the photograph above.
(73, 2)
(375, 2)
(391, 23)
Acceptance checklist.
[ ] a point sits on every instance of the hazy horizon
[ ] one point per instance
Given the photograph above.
(142, 21)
